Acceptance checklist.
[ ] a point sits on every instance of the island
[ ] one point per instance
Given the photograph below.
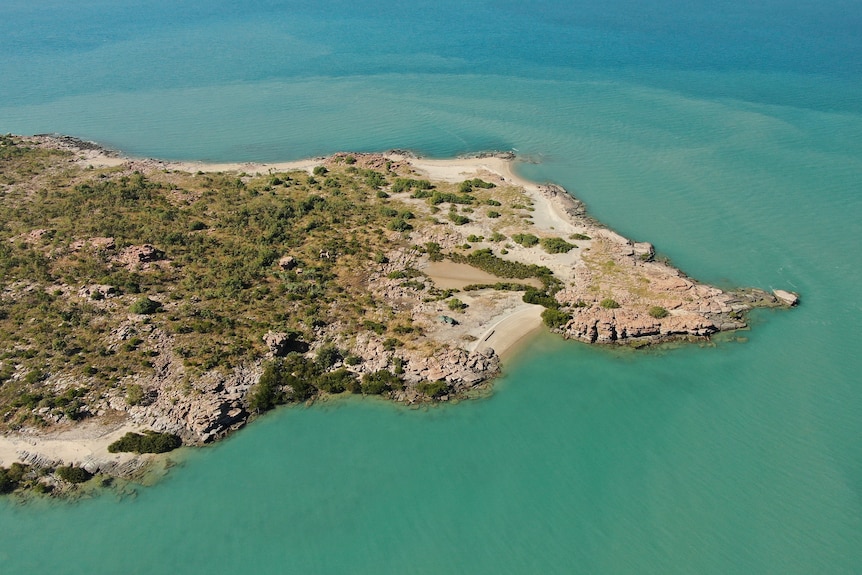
(146, 304)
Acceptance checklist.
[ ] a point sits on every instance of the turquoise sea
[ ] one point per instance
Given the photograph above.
(726, 132)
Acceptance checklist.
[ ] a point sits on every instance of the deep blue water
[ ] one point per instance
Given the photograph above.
(729, 134)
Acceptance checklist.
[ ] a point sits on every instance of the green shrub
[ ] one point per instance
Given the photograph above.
(526, 240)
(493, 214)
(380, 382)
(374, 179)
(11, 478)
(608, 303)
(458, 219)
(455, 304)
(74, 474)
(579, 237)
(399, 225)
(437, 198)
(405, 185)
(556, 245)
(327, 356)
(320, 171)
(433, 388)
(485, 260)
(380, 258)
(658, 312)
(145, 306)
(134, 394)
(337, 381)
(554, 318)
(148, 442)
(390, 343)
(540, 297)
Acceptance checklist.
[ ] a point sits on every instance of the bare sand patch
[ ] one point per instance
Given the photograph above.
(451, 275)
(84, 443)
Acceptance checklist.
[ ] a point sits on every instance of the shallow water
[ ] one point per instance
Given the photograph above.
(728, 135)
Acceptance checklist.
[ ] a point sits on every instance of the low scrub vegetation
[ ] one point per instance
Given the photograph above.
(147, 442)
(556, 245)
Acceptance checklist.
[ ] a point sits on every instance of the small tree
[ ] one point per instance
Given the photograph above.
(73, 474)
(556, 245)
(145, 306)
(554, 318)
(526, 240)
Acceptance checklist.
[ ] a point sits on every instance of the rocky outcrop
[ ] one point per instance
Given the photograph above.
(287, 263)
(97, 243)
(98, 291)
(199, 413)
(140, 257)
(786, 297)
(461, 369)
(598, 325)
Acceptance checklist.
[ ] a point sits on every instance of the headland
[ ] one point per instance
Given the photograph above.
(183, 299)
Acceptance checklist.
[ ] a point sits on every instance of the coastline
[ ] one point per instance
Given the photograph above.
(599, 266)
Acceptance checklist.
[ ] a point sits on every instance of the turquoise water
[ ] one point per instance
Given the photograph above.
(729, 135)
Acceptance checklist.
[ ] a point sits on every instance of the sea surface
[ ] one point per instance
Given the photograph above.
(726, 132)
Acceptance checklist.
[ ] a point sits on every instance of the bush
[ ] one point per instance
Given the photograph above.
(134, 394)
(526, 240)
(336, 381)
(319, 171)
(145, 306)
(493, 214)
(458, 219)
(540, 297)
(608, 303)
(327, 356)
(391, 343)
(433, 388)
(658, 312)
(74, 474)
(555, 318)
(579, 237)
(11, 478)
(556, 245)
(149, 442)
(380, 382)
(399, 225)
(455, 304)
(485, 260)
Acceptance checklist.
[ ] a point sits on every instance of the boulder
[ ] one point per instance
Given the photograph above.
(287, 263)
(786, 297)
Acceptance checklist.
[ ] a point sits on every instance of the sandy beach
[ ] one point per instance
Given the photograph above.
(84, 444)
